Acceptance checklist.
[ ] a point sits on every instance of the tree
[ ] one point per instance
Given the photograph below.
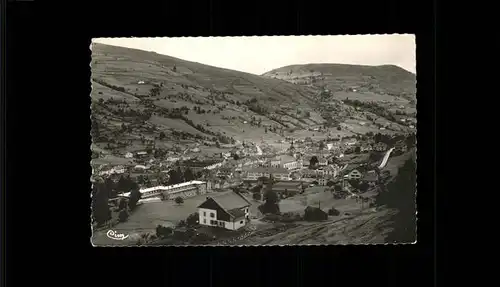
(100, 208)
(339, 128)
(271, 199)
(162, 231)
(313, 161)
(188, 175)
(357, 149)
(135, 196)
(123, 204)
(162, 135)
(181, 174)
(321, 145)
(236, 156)
(333, 212)
(179, 200)
(123, 216)
(109, 185)
(174, 178)
(192, 219)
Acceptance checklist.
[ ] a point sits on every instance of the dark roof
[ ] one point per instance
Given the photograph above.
(231, 201)
(236, 213)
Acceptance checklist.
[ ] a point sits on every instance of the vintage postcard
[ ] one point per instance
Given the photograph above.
(293, 140)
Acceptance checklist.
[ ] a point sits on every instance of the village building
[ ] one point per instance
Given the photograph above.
(278, 173)
(285, 161)
(287, 188)
(140, 167)
(196, 165)
(380, 146)
(229, 211)
(183, 190)
(354, 174)
(322, 161)
(349, 142)
(323, 181)
(224, 172)
(129, 155)
(306, 162)
(141, 154)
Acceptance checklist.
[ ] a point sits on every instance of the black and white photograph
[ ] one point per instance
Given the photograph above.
(253, 141)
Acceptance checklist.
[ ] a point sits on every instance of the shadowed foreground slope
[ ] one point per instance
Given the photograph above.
(401, 196)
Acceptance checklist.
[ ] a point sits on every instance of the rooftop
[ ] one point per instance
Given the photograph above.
(285, 158)
(161, 187)
(269, 170)
(229, 202)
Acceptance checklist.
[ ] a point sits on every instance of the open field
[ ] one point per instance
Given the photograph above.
(148, 216)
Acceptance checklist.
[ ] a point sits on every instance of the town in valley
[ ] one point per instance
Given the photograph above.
(187, 153)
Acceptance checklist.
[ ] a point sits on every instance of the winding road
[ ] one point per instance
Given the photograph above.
(386, 157)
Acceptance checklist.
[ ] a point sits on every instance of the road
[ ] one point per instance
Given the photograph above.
(386, 157)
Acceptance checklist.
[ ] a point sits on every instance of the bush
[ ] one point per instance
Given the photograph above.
(192, 219)
(269, 208)
(314, 214)
(179, 200)
(333, 212)
(123, 216)
(162, 231)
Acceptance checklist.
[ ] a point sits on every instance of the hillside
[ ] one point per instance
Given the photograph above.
(387, 84)
(142, 99)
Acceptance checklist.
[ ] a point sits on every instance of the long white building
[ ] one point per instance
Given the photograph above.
(184, 190)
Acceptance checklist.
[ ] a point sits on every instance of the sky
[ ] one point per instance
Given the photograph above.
(258, 54)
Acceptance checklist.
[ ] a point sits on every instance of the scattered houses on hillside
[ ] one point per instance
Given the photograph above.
(229, 211)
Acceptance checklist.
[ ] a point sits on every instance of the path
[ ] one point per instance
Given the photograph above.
(386, 157)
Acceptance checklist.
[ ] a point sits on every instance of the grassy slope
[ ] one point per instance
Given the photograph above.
(211, 88)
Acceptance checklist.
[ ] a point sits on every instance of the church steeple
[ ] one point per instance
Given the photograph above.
(291, 149)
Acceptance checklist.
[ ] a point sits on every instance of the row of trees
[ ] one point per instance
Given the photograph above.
(101, 191)
(179, 176)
